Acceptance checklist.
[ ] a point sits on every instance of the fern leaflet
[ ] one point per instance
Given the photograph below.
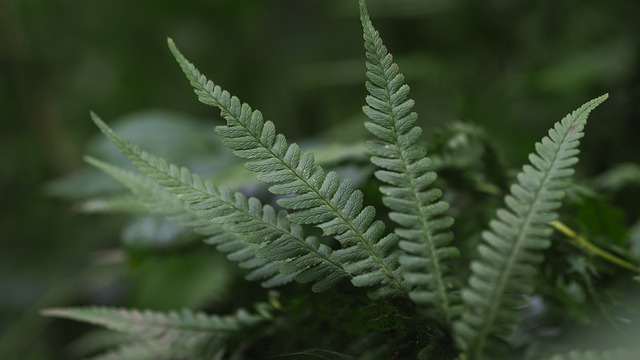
(158, 200)
(163, 333)
(417, 208)
(320, 199)
(511, 247)
(279, 239)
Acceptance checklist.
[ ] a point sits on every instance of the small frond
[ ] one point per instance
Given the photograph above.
(279, 240)
(415, 205)
(321, 199)
(511, 248)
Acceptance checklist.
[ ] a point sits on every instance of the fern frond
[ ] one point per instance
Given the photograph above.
(154, 324)
(321, 199)
(619, 354)
(416, 205)
(511, 248)
(143, 350)
(158, 200)
(278, 239)
(162, 333)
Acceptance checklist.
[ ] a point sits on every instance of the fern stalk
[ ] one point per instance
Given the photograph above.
(424, 230)
(511, 248)
(320, 199)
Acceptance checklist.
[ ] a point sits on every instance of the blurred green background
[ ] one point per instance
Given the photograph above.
(513, 67)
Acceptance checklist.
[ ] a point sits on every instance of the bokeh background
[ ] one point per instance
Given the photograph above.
(513, 67)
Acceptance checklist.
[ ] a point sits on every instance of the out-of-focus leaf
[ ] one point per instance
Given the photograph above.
(634, 239)
(179, 138)
(96, 341)
(605, 222)
(178, 280)
(591, 66)
(153, 231)
(619, 176)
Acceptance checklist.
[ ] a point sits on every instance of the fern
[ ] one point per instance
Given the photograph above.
(320, 199)
(161, 201)
(413, 262)
(510, 250)
(279, 240)
(415, 206)
(183, 332)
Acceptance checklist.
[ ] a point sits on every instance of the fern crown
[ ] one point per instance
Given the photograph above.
(411, 264)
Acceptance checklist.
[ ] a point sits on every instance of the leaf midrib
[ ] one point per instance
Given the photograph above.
(334, 209)
(438, 282)
(505, 275)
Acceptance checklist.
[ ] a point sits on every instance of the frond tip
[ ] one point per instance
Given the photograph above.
(511, 247)
(415, 205)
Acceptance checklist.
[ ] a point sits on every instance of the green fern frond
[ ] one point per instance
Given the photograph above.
(321, 199)
(619, 354)
(154, 324)
(279, 240)
(415, 205)
(163, 334)
(511, 248)
(205, 348)
(160, 201)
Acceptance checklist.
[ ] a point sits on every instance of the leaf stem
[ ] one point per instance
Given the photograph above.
(592, 248)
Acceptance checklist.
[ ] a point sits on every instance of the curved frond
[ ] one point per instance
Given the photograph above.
(321, 199)
(155, 324)
(415, 205)
(511, 248)
(278, 239)
(159, 200)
